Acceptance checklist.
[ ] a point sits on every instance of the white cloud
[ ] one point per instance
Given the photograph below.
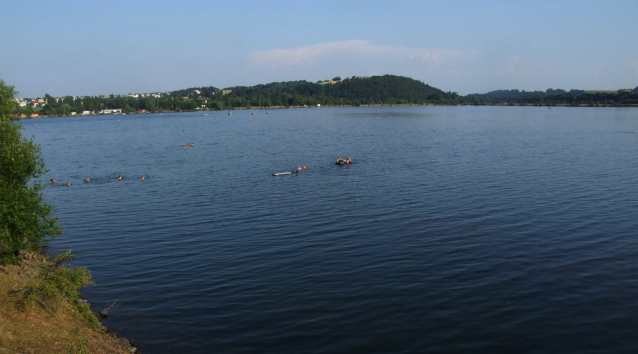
(367, 56)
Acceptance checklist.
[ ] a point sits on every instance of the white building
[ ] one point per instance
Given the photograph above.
(111, 111)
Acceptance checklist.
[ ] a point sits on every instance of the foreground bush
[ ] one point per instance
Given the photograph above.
(25, 220)
(54, 285)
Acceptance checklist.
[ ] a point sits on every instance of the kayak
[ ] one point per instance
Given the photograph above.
(281, 173)
(343, 163)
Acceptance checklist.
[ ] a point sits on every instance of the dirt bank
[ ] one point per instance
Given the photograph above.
(34, 326)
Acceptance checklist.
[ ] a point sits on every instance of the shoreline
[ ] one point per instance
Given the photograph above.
(39, 327)
(563, 105)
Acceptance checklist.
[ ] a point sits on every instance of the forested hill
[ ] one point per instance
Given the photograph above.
(203, 92)
(354, 91)
(516, 94)
(550, 97)
(386, 89)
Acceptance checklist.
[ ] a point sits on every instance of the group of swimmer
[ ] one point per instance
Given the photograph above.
(68, 184)
(341, 161)
(88, 180)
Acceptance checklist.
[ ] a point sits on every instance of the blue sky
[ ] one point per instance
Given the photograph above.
(120, 47)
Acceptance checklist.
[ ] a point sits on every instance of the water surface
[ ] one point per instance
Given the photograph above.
(458, 229)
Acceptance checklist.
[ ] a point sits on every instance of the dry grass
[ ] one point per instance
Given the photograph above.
(27, 327)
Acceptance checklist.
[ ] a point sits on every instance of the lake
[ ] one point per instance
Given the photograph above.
(458, 229)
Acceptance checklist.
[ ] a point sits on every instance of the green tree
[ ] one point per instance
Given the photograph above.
(50, 111)
(65, 109)
(150, 105)
(25, 219)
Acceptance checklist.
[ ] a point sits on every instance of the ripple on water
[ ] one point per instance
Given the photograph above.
(478, 229)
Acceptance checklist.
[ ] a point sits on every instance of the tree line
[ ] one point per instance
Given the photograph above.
(382, 90)
(354, 91)
(551, 97)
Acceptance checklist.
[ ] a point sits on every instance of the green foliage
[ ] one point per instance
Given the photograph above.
(63, 257)
(55, 284)
(79, 348)
(386, 89)
(91, 318)
(25, 219)
(553, 97)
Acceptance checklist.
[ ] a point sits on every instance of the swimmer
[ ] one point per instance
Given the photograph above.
(87, 180)
(304, 167)
(119, 177)
(52, 180)
(340, 160)
(348, 160)
(68, 184)
(297, 172)
(142, 178)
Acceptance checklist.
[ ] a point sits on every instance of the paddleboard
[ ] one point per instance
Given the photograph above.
(281, 173)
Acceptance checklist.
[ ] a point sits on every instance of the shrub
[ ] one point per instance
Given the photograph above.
(55, 284)
(25, 220)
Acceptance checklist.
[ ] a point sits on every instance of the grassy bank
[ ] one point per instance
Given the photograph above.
(41, 311)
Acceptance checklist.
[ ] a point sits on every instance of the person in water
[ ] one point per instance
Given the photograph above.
(340, 160)
(119, 177)
(348, 160)
(68, 184)
(142, 178)
(52, 180)
(87, 180)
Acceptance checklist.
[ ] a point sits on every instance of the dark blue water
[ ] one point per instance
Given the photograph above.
(458, 229)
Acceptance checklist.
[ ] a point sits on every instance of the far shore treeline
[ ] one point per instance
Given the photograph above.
(354, 91)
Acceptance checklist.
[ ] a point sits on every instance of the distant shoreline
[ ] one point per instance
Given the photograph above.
(340, 106)
(386, 90)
